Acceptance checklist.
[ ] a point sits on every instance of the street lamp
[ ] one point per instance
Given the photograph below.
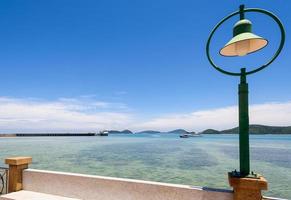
(243, 43)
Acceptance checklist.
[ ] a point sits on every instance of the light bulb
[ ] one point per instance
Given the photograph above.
(242, 48)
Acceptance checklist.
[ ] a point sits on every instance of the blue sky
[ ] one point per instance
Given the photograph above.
(142, 60)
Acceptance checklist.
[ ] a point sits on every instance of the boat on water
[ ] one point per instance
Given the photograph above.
(190, 135)
(103, 133)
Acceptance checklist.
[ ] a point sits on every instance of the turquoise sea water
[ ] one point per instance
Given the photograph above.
(199, 161)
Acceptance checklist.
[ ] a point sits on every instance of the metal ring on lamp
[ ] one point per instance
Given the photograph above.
(274, 17)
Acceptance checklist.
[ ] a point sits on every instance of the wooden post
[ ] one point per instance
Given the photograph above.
(248, 188)
(16, 167)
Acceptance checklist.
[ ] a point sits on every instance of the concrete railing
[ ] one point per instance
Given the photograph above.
(97, 187)
(273, 198)
(39, 184)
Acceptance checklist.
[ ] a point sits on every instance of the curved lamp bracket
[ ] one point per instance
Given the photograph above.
(274, 17)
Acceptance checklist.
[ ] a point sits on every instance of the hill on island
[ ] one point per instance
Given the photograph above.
(177, 131)
(120, 132)
(180, 131)
(254, 129)
(148, 131)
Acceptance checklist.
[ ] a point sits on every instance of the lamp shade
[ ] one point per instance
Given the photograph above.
(243, 41)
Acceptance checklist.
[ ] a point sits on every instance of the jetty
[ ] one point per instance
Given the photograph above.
(46, 134)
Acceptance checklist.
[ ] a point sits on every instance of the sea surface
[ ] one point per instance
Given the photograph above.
(198, 161)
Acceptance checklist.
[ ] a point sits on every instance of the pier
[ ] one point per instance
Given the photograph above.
(46, 134)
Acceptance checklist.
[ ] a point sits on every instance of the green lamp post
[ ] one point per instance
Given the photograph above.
(243, 43)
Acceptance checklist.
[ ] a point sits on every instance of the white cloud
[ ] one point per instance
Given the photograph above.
(271, 114)
(72, 115)
(85, 114)
(198, 120)
(222, 118)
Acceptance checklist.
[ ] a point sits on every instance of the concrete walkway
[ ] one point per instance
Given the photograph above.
(28, 195)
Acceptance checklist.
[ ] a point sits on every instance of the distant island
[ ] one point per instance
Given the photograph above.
(148, 131)
(120, 132)
(254, 129)
(180, 131)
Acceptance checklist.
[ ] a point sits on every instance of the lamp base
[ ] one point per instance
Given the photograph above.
(237, 174)
(247, 188)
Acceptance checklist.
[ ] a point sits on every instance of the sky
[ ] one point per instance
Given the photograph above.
(72, 65)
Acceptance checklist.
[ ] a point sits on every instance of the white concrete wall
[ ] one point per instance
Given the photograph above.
(105, 188)
(273, 198)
